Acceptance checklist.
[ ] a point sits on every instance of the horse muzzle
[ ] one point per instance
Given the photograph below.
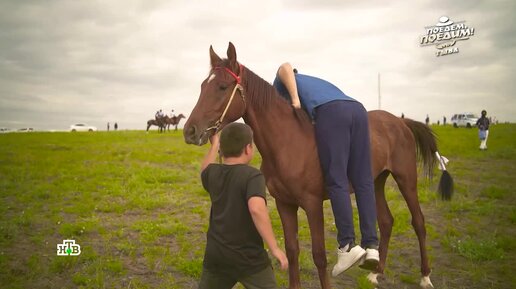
(194, 135)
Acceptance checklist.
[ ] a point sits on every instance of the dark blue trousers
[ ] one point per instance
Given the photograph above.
(342, 135)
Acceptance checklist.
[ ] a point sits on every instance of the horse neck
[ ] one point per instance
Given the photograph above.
(274, 123)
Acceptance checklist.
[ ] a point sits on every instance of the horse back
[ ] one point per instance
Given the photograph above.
(392, 142)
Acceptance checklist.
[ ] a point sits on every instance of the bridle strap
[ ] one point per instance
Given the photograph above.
(237, 86)
(236, 77)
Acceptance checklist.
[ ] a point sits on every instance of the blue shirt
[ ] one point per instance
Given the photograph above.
(312, 92)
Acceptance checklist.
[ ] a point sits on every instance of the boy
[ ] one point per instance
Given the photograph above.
(342, 136)
(239, 219)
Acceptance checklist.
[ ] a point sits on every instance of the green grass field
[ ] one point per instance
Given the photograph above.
(134, 203)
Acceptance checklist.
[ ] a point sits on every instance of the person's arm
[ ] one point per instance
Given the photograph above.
(287, 77)
(211, 156)
(260, 215)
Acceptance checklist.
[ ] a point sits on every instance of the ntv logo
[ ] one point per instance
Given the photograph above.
(68, 248)
(445, 34)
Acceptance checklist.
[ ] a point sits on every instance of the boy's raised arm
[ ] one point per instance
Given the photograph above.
(211, 156)
(260, 215)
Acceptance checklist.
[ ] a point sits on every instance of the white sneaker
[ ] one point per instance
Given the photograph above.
(371, 259)
(347, 257)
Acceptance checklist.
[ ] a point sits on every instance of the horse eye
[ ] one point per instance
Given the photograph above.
(223, 87)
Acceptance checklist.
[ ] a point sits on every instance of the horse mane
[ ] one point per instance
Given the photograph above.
(262, 95)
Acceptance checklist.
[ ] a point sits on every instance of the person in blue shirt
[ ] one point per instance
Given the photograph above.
(483, 129)
(342, 136)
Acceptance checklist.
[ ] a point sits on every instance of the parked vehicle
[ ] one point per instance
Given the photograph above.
(25, 129)
(82, 127)
(468, 120)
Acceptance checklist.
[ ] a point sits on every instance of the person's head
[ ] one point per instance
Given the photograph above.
(236, 139)
(484, 112)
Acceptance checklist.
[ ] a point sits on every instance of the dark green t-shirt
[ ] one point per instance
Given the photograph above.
(233, 246)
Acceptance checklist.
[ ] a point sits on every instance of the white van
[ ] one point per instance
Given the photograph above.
(468, 120)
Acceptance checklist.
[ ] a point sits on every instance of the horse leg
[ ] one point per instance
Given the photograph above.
(385, 223)
(407, 184)
(288, 215)
(315, 215)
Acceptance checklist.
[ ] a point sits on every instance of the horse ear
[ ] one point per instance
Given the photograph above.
(214, 58)
(232, 57)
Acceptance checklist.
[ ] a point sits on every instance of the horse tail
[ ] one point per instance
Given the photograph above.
(426, 148)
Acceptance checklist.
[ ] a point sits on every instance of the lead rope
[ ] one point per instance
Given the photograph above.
(237, 86)
(219, 122)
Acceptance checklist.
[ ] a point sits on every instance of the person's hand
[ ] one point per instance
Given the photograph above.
(214, 138)
(281, 257)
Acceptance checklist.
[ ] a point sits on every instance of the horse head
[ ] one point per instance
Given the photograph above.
(219, 102)
(180, 116)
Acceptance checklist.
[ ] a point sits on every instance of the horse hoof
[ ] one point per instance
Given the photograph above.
(373, 278)
(426, 283)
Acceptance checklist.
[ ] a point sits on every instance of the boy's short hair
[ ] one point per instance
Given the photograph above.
(233, 139)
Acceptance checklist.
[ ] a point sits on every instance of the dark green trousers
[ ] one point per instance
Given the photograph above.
(262, 280)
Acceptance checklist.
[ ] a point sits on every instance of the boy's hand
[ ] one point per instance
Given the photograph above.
(282, 258)
(212, 152)
(214, 138)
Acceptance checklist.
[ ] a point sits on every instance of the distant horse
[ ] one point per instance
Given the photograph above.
(290, 164)
(174, 120)
(160, 123)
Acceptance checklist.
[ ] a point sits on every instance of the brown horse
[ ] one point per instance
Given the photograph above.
(160, 123)
(174, 120)
(290, 164)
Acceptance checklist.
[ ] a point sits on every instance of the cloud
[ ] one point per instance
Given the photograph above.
(69, 61)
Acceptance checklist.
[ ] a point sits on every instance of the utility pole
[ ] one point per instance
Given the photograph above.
(379, 95)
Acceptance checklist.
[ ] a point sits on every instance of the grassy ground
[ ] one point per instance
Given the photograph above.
(134, 203)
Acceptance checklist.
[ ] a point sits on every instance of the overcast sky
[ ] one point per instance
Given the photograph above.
(63, 62)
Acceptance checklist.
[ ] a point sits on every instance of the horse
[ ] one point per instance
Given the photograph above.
(160, 123)
(285, 139)
(174, 120)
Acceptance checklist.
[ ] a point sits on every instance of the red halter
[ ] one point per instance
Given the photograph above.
(236, 77)
(237, 86)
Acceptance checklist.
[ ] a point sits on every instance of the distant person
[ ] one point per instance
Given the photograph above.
(427, 120)
(402, 115)
(483, 130)
(239, 218)
(438, 122)
(444, 120)
(116, 126)
(108, 126)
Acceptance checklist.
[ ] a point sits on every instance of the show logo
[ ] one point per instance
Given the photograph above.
(68, 248)
(445, 34)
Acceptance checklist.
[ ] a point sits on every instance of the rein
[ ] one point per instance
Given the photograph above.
(237, 86)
